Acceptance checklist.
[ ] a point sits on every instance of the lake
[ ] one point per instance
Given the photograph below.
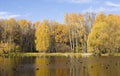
(59, 66)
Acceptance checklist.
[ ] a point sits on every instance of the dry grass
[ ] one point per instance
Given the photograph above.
(47, 54)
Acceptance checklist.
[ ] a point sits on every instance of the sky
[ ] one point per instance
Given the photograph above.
(39, 10)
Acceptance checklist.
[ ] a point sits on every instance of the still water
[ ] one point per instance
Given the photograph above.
(59, 66)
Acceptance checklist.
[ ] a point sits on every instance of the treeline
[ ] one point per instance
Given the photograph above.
(16, 36)
(105, 34)
(80, 33)
(68, 37)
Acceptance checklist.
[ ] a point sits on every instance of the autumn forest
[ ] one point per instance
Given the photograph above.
(80, 33)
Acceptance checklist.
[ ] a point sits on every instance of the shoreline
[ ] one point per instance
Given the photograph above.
(58, 54)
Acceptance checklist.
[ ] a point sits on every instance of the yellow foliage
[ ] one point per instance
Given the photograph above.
(42, 37)
(105, 35)
(37, 24)
(61, 34)
(23, 23)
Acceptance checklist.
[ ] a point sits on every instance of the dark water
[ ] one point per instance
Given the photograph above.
(59, 66)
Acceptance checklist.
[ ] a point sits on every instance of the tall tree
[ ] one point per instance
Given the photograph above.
(105, 34)
(62, 38)
(75, 22)
(52, 27)
(27, 36)
(42, 37)
(89, 19)
(10, 35)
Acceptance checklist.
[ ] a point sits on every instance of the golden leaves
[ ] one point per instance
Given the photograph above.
(42, 37)
(105, 34)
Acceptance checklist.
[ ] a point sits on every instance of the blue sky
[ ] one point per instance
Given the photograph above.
(38, 10)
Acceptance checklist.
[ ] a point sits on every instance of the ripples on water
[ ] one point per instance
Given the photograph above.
(59, 66)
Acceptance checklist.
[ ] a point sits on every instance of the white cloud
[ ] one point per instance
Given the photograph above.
(8, 15)
(112, 4)
(108, 7)
(91, 9)
(2, 13)
(101, 9)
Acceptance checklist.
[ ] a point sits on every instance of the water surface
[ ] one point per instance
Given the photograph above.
(59, 66)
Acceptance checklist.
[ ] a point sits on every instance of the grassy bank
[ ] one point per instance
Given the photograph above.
(48, 54)
(57, 54)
